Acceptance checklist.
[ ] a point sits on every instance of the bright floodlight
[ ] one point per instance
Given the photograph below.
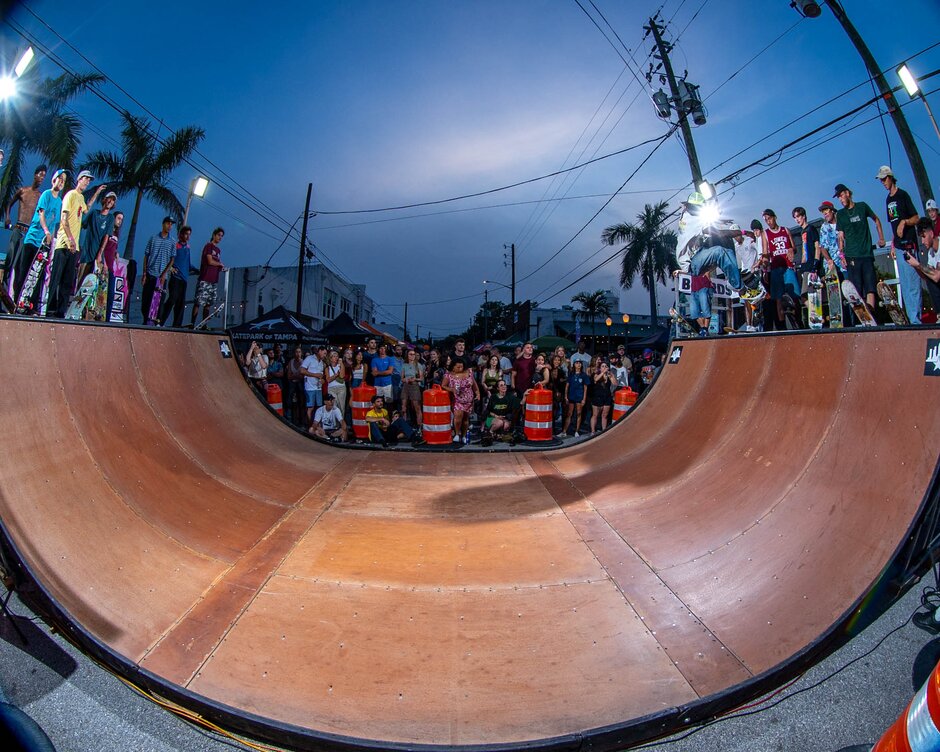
(199, 186)
(710, 213)
(7, 88)
(626, 318)
(705, 188)
(24, 62)
(907, 78)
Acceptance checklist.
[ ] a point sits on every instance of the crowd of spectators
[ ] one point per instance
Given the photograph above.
(838, 244)
(69, 238)
(487, 387)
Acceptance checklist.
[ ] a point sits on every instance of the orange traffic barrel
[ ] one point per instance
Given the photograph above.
(538, 414)
(918, 728)
(624, 399)
(361, 404)
(275, 401)
(436, 428)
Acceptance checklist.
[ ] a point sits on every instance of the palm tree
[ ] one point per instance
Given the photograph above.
(593, 304)
(38, 122)
(144, 167)
(649, 251)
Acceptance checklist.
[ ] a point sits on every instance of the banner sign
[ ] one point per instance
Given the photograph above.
(720, 287)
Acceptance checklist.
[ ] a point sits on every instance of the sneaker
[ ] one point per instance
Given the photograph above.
(703, 332)
(748, 328)
(576, 434)
(925, 620)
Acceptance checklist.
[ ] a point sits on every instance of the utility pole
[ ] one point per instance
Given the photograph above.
(405, 328)
(685, 97)
(303, 250)
(486, 328)
(812, 10)
(512, 285)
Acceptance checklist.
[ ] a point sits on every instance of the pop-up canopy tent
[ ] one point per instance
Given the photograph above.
(343, 330)
(279, 325)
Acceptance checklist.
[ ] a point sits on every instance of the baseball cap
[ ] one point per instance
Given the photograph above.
(328, 396)
(59, 172)
(931, 204)
(769, 213)
(839, 188)
(169, 219)
(111, 194)
(826, 205)
(695, 199)
(647, 351)
(734, 226)
(883, 172)
(85, 174)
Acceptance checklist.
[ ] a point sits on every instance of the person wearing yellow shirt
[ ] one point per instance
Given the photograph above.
(384, 431)
(65, 258)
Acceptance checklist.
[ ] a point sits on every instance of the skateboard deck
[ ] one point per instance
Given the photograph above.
(97, 309)
(202, 324)
(117, 285)
(153, 317)
(814, 308)
(683, 323)
(83, 298)
(36, 269)
(834, 296)
(890, 302)
(858, 305)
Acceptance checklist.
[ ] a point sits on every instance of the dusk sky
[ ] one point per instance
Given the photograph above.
(382, 104)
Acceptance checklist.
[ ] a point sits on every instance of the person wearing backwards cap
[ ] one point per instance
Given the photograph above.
(97, 227)
(855, 242)
(42, 230)
(705, 243)
(903, 218)
(65, 258)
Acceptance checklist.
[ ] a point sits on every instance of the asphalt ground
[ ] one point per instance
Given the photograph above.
(848, 699)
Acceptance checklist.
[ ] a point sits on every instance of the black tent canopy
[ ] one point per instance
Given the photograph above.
(279, 325)
(343, 330)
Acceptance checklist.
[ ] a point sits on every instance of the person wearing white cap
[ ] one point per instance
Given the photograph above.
(65, 259)
(933, 214)
(903, 218)
(97, 227)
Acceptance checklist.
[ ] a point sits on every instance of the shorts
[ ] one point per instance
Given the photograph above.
(791, 283)
(411, 392)
(861, 273)
(205, 293)
(384, 391)
(806, 288)
(314, 397)
(700, 303)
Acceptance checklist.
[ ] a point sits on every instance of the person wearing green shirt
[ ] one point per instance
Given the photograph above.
(855, 242)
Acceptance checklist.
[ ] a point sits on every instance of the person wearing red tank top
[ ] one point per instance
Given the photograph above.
(779, 250)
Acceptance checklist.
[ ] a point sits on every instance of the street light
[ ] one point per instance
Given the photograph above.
(500, 284)
(196, 188)
(24, 62)
(8, 83)
(7, 88)
(912, 87)
(626, 320)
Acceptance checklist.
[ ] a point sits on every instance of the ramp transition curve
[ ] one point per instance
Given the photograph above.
(768, 496)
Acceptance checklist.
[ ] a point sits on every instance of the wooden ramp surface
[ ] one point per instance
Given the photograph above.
(454, 599)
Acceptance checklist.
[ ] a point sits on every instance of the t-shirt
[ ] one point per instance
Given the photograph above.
(110, 251)
(207, 272)
(853, 224)
(413, 371)
(828, 239)
(158, 253)
(809, 236)
(504, 406)
(690, 226)
(577, 382)
(381, 364)
(329, 419)
(523, 368)
(466, 359)
(746, 253)
(506, 365)
(181, 263)
(313, 364)
(96, 226)
(51, 207)
(900, 207)
(376, 413)
(74, 205)
(780, 244)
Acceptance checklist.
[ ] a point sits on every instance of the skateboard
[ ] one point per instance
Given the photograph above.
(97, 309)
(153, 317)
(789, 312)
(83, 298)
(814, 307)
(117, 284)
(213, 312)
(897, 314)
(834, 295)
(859, 307)
(24, 303)
(683, 323)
